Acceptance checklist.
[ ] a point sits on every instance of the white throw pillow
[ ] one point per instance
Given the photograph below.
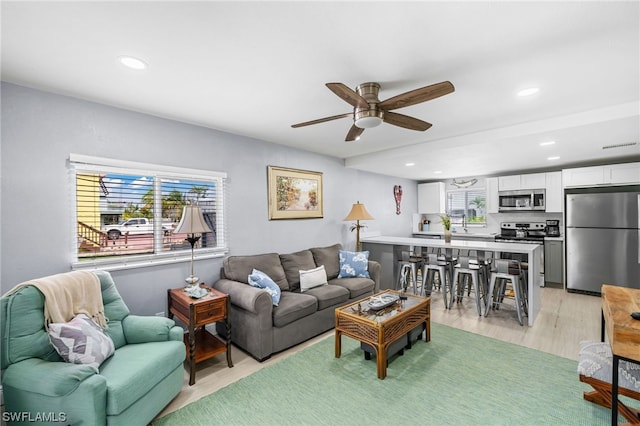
(313, 278)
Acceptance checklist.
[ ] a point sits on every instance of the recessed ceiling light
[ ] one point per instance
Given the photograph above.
(410, 164)
(437, 172)
(547, 143)
(529, 91)
(133, 63)
(553, 158)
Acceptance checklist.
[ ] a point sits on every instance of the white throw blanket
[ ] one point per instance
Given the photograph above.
(69, 294)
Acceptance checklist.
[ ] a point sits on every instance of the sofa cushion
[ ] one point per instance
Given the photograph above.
(293, 263)
(357, 287)
(329, 295)
(238, 268)
(135, 369)
(353, 264)
(261, 280)
(313, 278)
(81, 341)
(328, 256)
(292, 307)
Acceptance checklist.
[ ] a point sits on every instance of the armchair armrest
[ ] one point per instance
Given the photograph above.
(50, 378)
(252, 299)
(143, 329)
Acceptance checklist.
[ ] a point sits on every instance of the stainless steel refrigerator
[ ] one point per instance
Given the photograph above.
(602, 240)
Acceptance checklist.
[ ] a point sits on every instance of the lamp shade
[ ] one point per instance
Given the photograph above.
(358, 212)
(191, 222)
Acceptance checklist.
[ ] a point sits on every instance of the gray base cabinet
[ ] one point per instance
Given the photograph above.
(553, 270)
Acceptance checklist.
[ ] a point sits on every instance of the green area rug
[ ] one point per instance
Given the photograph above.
(458, 378)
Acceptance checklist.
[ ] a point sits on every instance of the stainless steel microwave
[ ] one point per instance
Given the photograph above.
(521, 200)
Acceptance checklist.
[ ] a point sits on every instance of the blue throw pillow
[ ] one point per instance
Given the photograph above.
(261, 280)
(354, 264)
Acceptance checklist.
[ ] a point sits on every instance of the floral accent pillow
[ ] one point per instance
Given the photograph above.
(353, 264)
(261, 280)
(81, 341)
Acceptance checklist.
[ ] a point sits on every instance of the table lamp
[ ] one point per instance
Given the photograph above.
(192, 223)
(358, 213)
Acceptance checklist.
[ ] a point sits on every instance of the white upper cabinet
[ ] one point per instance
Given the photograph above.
(553, 193)
(509, 183)
(583, 176)
(615, 174)
(624, 173)
(533, 181)
(491, 185)
(431, 198)
(516, 182)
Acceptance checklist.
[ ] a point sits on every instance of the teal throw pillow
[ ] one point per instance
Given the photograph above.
(354, 264)
(261, 280)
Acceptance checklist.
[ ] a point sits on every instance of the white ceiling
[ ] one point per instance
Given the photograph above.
(255, 68)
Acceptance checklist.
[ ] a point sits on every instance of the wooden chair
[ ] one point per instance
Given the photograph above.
(595, 369)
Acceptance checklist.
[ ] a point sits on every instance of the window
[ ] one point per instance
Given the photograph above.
(467, 206)
(126, 212)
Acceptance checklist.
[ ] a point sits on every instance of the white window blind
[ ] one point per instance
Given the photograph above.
(126, 212)
(467, 206)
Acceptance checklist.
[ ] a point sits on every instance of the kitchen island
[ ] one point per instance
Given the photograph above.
(388, 250)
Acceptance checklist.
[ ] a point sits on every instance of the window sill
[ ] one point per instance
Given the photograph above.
(144, 261)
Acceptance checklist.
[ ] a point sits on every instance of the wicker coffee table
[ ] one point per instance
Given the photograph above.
(381, 328)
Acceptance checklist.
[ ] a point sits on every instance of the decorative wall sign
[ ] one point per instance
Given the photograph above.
(294, 194)
(397, 194)
(464, 183)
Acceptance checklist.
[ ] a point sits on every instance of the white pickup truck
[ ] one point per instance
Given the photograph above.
(134, 226)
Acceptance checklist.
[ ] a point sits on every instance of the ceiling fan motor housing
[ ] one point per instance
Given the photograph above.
(365, 118)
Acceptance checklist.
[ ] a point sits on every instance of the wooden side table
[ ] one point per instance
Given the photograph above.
(624, 336)
(196, 313)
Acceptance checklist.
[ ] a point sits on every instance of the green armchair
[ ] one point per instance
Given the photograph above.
(131, 387)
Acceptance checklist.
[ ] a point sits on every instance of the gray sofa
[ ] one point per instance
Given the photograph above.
(259, 327)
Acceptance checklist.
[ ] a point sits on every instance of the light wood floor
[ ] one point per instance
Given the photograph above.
(564, 320)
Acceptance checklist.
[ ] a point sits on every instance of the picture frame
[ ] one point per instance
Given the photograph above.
(294, 194)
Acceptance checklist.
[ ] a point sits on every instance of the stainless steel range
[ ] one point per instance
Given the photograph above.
(522, 232)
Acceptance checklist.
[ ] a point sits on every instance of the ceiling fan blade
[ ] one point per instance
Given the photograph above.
(417, 96)
(353, 134)
(348, 95)
(405, 121)
(322, 120)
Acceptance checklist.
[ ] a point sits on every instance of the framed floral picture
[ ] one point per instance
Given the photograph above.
(294, 194)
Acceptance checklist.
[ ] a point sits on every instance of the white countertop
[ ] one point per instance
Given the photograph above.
(458, 234)
(459, 244)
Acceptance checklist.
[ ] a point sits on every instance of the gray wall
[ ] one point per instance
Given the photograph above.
(40, 130)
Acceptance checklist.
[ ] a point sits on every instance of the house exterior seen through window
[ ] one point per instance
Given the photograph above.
(123, 214)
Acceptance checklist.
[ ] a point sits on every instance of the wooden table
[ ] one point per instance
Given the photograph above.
(622, 330)
(196, 314)
(380, 331)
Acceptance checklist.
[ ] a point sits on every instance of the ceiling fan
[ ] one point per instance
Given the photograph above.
(369, 111)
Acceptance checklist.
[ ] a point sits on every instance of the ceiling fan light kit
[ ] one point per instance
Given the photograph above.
(369, 111)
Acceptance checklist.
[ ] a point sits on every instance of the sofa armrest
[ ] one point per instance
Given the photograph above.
(143, 329)
(49, 378)
(252, 299)
(375, 271)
